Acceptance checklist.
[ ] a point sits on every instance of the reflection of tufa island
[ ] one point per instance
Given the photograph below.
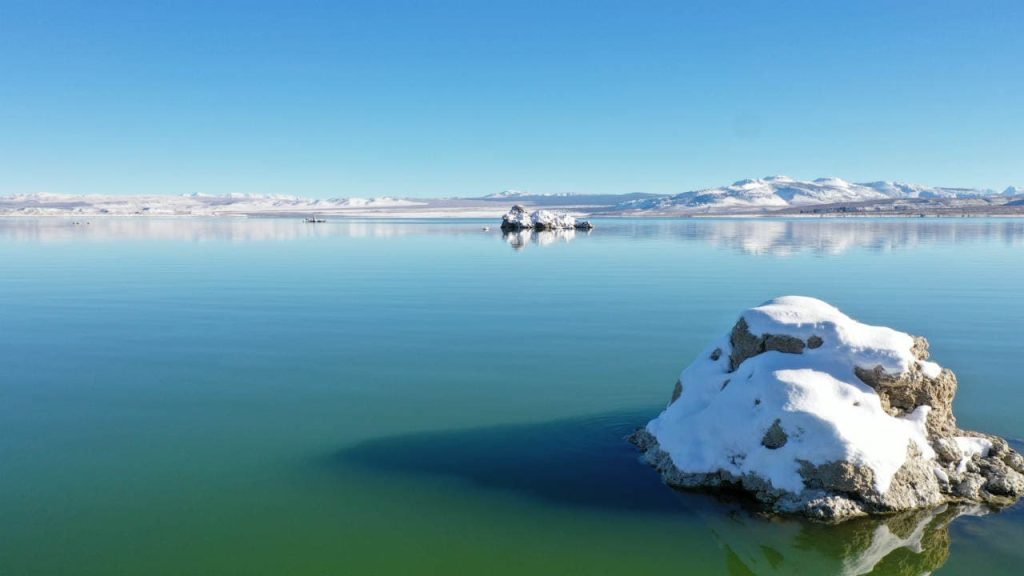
(518, 239)
(814, 413)
(905, 544)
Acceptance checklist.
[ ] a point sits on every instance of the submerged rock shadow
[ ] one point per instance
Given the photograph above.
(579, 462)
(586, 462)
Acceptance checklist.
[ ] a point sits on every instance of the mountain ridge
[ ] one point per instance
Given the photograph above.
(768, 195)
(780, 192)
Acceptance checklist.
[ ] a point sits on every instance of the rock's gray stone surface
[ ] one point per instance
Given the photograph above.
(903, 393)
(677, 391)
(775, 437)
(746, 345)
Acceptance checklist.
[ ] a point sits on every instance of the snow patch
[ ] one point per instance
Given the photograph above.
(929, 369)
(826, 412)
(969, 447)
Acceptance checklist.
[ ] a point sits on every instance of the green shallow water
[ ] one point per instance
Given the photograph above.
(372, 397)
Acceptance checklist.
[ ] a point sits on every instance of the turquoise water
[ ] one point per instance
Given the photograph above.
(228, 396)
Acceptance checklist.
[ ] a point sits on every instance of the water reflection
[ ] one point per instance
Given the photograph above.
(753, 236)
(520, 238)
(909, 544)
(825, 236)
(229, 229)
(586, 463)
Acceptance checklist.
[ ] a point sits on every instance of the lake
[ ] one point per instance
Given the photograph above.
(265, 396)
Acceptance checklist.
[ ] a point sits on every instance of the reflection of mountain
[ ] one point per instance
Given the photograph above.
(837, 236)
(909, 544)
(750, 236)
(520, 238)
(819, 235)
(215, 229)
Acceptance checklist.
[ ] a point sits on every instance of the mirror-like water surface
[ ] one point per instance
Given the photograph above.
(211, 396)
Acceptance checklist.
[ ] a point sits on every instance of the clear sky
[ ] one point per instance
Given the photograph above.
(426, 98)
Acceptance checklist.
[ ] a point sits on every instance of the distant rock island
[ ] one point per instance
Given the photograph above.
(769, 196)
(518, 218)
(816, 414)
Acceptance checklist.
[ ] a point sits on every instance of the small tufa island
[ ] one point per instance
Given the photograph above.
(814, 413)
(519, 219)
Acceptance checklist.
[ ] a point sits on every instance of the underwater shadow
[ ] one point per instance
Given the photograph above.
(587, 462)
(576, 462)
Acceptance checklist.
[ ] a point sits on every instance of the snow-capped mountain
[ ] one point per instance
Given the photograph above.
(904, 190)
(759, 196)
(507, 194)
(513, 194)
(778, 192)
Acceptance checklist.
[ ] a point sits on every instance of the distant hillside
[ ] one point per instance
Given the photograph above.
(780, 192)
(776, 195)
(567, 199)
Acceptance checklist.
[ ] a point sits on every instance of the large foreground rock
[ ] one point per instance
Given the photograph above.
(815, 413)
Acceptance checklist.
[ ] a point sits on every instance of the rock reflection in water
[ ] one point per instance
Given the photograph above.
(907, 544)
(520, 238)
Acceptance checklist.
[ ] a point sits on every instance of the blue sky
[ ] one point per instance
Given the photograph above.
(468, 98)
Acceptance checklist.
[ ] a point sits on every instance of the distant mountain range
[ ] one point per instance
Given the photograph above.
(568, 199)
(781, 192)
(772, 195)
(44, 204)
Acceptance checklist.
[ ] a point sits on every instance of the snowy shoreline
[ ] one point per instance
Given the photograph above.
(762, 197)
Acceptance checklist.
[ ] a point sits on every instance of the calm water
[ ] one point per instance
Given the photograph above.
(271, 397)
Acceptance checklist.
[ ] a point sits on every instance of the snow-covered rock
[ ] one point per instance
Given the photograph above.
(518, 218)
(818, 414)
